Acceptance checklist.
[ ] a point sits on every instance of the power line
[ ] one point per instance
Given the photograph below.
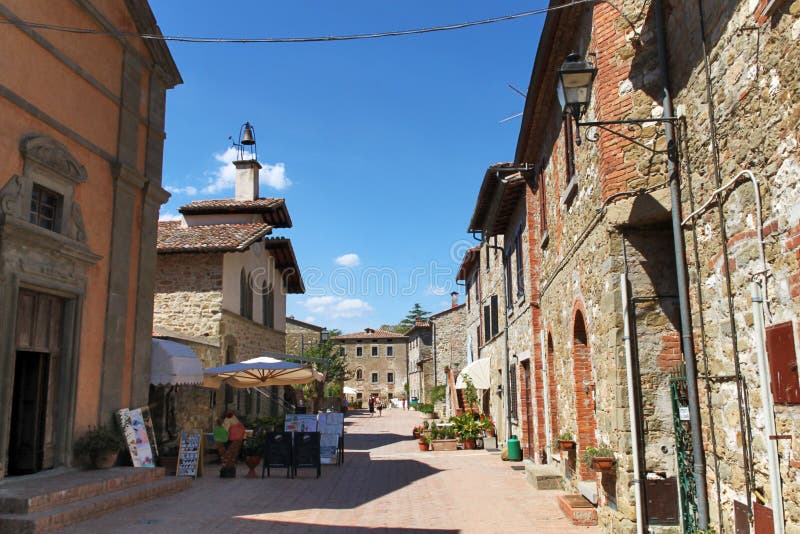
(187, 39)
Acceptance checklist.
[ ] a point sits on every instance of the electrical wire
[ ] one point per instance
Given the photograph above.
(316, 39)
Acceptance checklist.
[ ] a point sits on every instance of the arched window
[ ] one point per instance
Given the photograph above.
(359, 374)
(267, 305)
(245, 295)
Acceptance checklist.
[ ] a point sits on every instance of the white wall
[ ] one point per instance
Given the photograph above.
(259, 262)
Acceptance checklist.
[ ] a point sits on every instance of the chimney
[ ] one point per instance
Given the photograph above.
(247, 179)
(454, 299)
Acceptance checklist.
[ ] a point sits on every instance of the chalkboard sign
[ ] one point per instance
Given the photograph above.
(278, 452)
(331, 428)
(190, 453)
(306, 451)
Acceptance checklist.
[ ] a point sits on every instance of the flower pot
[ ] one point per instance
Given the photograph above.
(423, 445)
(468, 443)
(603, 463)
(252, 462)
(444, 445)
(566, 444)
(104, 459)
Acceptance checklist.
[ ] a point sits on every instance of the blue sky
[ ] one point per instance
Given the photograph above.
(378, 146)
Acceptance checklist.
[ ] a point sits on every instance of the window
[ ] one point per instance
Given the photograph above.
(509, 280)
(487, 257)
(512, 393)
(342, 351)
(495, 324)
(268, 305)
(487, 323)
(389, 351)
(390, 378)
(45, 207)
(784, 380)
(359, 352)
(245, 296)
(374, 378)
(359, 374)
(374, 351)
(542, 203)
(468, 288)
(520, 264)
(569, 148)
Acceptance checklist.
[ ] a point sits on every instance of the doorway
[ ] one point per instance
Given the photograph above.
(38, 340)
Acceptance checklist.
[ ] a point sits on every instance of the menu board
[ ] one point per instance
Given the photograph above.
(190, 453)
(331, 428)
(300, 422)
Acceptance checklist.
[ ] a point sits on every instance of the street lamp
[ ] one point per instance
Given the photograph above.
(575, 78)
(324, 335)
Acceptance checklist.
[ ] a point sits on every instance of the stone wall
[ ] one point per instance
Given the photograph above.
(300, 338)
(450, 349)
(419, 358)
(188, 294)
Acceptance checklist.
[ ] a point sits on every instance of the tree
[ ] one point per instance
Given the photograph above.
(415, 313)
(333, 367)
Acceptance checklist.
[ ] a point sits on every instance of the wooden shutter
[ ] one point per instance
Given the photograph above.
(784, 379)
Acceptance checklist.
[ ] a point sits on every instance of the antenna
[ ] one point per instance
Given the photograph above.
(514, 116)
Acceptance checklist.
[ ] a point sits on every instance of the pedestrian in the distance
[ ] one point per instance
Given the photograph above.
(380, 407)
(371, 403)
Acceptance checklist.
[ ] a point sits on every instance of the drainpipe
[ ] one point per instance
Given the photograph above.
(687, 340)
(767, 410)
(626, 336)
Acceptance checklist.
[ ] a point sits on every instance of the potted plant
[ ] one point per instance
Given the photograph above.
(101, 445)
(468, 429)
(444, 439)
(253, 448)
(598, 458)
(423, 442)
(487, 425)
(565, 441)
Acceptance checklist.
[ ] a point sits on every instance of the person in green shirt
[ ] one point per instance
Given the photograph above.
(220, 437)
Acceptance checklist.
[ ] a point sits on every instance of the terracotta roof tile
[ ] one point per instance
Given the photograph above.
(468, 262)
(273, 209)
(174, 237)
(370, 333)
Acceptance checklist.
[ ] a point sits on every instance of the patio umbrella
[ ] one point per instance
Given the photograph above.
(349, 391)
(260, 372)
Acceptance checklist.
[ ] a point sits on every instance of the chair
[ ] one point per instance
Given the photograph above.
(307, 451)
(278, 453)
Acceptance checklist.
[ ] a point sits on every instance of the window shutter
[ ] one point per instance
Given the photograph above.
(495, 325)
(783, 364)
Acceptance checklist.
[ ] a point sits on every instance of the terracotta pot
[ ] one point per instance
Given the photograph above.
(603, 463)
(423, 445)
(252, 462)
(468, 443)
(104, 459)
(566, 444)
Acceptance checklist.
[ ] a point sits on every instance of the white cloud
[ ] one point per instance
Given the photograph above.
(336, 307)
(170, 217)
(436, 290)
(310, 319)
(188, 190)
(348, 260)
(224, 176)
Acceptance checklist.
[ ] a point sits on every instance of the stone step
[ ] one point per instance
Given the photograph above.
(578, 510)
(43, 491)
(68, 514)
(543, 477)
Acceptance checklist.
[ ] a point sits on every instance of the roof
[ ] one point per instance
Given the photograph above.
(286, 262)
(273, 210)
(448, 310)
(497, 199)
(174, 237)
(470, 258)
(419, 324)
(304, 324)
(371, 333)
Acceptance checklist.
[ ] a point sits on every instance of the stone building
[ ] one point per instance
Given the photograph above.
(301, 336)
(81, 140)
(602, 211)
(448, 328)
(222, 280)
(378, 360)
(501, 216)
(420, 375)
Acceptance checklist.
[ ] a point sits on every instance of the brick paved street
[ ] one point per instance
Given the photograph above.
(386, 485)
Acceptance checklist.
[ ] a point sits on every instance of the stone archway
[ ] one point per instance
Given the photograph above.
(584, 391)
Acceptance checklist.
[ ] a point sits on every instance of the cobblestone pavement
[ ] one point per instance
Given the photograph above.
(385, 486)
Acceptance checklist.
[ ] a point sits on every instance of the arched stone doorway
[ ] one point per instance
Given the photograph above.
(584, 391)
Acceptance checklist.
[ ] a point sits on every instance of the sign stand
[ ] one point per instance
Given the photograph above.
(190, 454)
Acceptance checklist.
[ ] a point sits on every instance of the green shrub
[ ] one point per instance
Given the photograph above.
(425, 408)
(98, 440)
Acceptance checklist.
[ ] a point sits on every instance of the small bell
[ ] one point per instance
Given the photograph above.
(247, 136)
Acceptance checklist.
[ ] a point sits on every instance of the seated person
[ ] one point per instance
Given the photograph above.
(220, 438)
